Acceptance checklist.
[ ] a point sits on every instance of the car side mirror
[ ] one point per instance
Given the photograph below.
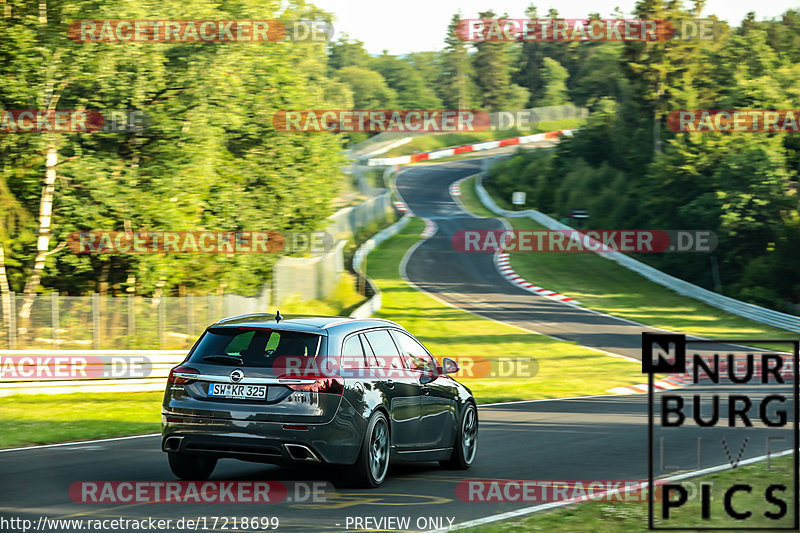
(449, 366)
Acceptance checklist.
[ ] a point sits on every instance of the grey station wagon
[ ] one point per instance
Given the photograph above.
(324, 390)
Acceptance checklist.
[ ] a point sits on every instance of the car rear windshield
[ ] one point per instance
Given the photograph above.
(252, 347)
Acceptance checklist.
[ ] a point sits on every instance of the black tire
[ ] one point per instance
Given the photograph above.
(191, 467)
(466, 446)
(372, 464)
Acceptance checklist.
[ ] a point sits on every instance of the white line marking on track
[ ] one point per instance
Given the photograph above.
(553, 505)
(80, 442)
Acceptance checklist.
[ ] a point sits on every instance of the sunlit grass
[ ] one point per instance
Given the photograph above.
(470, 201)
(605, 286)
(601, 284)
(564, 369)
(617, 517)
(49, 418)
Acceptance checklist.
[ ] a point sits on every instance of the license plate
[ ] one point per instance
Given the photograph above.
(243, 392)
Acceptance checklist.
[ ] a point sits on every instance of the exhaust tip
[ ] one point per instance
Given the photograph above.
(301, 452)
(172, 444)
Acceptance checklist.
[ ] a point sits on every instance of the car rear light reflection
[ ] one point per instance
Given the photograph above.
(330, 385)
(287, 426)
(180, 369)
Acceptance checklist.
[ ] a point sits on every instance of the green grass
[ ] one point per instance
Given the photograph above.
(564, 369)
(470, 201)
(616, 517)
(429, 143)
(600, 284)
(50, 418)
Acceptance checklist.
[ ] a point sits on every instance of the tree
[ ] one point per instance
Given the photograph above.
(370, 90)
(554, 77)
(209, 158)
(493, 64)
(347, 53)
(456, 81)
(413, 91)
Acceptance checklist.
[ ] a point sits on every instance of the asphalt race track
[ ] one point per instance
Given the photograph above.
(573, 439)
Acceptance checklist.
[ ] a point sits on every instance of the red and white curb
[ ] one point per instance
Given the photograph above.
(455, 188)
(503, 264)
(430, 228)
(488, 145)
(402, 207)
(673, 381)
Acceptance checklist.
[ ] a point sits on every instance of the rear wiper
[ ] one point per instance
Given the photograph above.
(223, 357)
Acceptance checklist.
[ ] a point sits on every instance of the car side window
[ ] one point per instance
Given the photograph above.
(416, 357)
(369, 355)
(384, 349)
(352, 353)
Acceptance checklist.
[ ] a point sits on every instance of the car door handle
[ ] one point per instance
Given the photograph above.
(390, 383)
(426, 391)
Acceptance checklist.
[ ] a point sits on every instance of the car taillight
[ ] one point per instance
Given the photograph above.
(175, 377)
(330, 385)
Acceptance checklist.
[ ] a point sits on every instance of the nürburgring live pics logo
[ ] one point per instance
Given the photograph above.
(743, 401)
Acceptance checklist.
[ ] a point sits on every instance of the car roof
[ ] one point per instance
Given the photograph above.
(311, 324)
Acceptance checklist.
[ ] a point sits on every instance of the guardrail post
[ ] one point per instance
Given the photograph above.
(95, 321)
(162, 319)
(12, 322)
(54, 318)
(131, 319)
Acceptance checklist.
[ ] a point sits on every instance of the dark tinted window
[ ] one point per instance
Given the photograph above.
(384, 348)
(352, 353)
(415, 355)
(258, 348)
(369, 355)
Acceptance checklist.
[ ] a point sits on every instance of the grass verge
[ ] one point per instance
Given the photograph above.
(50, 418)
(615, 517)
(564, 369)
(605, 286)
(601, 284)
(470, 201)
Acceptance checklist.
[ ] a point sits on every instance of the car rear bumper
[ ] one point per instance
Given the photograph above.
(334, 442)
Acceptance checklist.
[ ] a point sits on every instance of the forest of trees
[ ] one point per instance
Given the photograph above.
(210, 157)
(629, 171)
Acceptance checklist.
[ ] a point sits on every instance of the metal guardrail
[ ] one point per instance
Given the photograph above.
(375, 302)
(731, 305)
(69, 371)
